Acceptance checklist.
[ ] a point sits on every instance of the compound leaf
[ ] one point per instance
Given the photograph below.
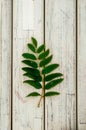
(52, 93)
(53, 83)
(29, 56)
(38, 69)
(33, 83)
(49, 68)
(33, 94)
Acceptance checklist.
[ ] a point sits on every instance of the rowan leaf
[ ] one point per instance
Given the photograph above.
(44, 54)
(40, 48)
(53, 83)
(30, 63)
(38, 70)
(52, 76)
(31, 47)
(52, 93)
(29, 56)
(49, 68)
(45, 61)
(34, 41)
(33, 94)
(33, 83)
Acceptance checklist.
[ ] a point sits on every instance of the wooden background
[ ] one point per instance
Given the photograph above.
(64, 26)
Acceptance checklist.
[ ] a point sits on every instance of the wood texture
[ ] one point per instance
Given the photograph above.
(81, 64)
(5, 64)
(60, 38)
(26, 115)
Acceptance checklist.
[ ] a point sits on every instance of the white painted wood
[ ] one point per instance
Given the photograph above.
(60, 38)
(28, 18)
(5, 64)
(81, 64)
(26, 115)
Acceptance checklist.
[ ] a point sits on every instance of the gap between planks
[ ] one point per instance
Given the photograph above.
(76, 62)
(44, 50)
(11, 64)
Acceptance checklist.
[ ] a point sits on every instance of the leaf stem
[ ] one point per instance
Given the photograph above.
(43, 91)
(39, 101)
(43, 83)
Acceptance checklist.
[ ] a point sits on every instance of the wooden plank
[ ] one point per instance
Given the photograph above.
(26, 115)
(60, 38)
(81, 64)
(5, 64)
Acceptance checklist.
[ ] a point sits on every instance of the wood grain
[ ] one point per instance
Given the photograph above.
(26, 115)
(81, 64)
(60, 38)
(5, 64)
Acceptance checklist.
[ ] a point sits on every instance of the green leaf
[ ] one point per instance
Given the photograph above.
(45, 61)
(34, 41)
(41, 48)
(32, 71)
(52, 76)
(29, 56)
(49, 68)
(33, 83)
(33, 94)
(53, 83)
(31, 47)
(44, 54)
(52, 93)
(30, 63)
(32, 76)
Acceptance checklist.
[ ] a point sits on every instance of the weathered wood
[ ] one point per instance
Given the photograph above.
(5, 64)
(81, 64)
(26, 115)
(60, 21)
(60, 38)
